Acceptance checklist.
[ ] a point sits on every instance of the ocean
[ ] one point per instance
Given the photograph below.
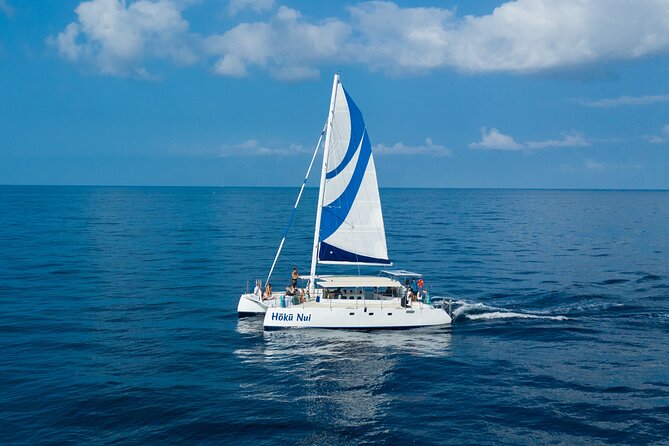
(118, 321)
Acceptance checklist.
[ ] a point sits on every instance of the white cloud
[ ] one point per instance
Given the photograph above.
(236, 6)
(288, 46)
(518, 36)
(429, 148)
(522, 36)
(537, 35)
(118, 39)
(626, 100)
(400, 40)
(569, 140)
(594, 165)
(493, 139)
(6, 8)
(252, 147)
(662, 137)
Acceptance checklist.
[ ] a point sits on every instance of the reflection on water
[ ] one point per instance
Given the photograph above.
(344, 374)
(333, 344)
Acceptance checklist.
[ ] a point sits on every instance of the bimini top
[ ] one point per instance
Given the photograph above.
(356, 281)
(401, 273)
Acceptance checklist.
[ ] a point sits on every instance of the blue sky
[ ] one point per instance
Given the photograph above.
(529, 93)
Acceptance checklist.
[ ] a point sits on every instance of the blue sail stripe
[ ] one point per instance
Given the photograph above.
(357, 130)
(338, 210)
(329, 253)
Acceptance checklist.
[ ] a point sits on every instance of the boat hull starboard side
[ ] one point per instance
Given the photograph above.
(361, 318)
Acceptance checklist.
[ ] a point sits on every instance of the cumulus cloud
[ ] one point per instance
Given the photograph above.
(662, 137)
(522, 36)
(288, 46)
(236, 6)
(536, 35)
(252, 147)
(6, 8)
(493, 139)
(399, 148)
(626, 100)
(118, 39)
(400, 40)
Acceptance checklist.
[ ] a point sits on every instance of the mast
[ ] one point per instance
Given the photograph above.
(321, 189)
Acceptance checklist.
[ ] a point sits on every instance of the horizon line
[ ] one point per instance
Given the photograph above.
(316, 187)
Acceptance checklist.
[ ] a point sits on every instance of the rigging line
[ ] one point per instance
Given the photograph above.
(297, 202)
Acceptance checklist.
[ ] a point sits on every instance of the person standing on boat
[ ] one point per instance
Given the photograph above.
(257, 293)
(405, 296)
(294, 277)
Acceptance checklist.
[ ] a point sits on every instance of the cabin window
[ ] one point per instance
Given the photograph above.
(351, 314)
(390, 314)
(371, 314)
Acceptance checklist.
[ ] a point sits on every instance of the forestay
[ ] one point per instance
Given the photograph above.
(351, 229)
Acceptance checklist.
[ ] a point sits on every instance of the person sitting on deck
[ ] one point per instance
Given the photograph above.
(268, 291)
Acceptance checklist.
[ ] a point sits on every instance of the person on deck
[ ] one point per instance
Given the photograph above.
(294, 277)
(257, 292)
(268, 291)
(410, 297)
(426, 297)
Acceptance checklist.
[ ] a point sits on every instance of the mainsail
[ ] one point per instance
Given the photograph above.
(351, 222)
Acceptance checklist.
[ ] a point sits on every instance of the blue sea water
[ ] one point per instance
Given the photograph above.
(118, 321)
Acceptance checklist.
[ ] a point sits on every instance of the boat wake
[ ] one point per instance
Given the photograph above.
(464, 310)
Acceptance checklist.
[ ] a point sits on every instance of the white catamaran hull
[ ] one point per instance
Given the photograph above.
(322, 315)
(249, 306)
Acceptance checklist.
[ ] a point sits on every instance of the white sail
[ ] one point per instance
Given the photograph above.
(351, 225)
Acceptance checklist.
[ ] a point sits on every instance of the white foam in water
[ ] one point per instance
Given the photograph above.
(486, 312)
(510, 315)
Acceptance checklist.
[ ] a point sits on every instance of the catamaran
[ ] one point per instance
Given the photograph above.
(349, 230)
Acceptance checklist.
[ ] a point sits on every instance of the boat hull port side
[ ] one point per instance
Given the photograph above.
(249, 306)
(361, 318)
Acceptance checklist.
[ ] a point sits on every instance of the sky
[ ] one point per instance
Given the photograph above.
(476, 93)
